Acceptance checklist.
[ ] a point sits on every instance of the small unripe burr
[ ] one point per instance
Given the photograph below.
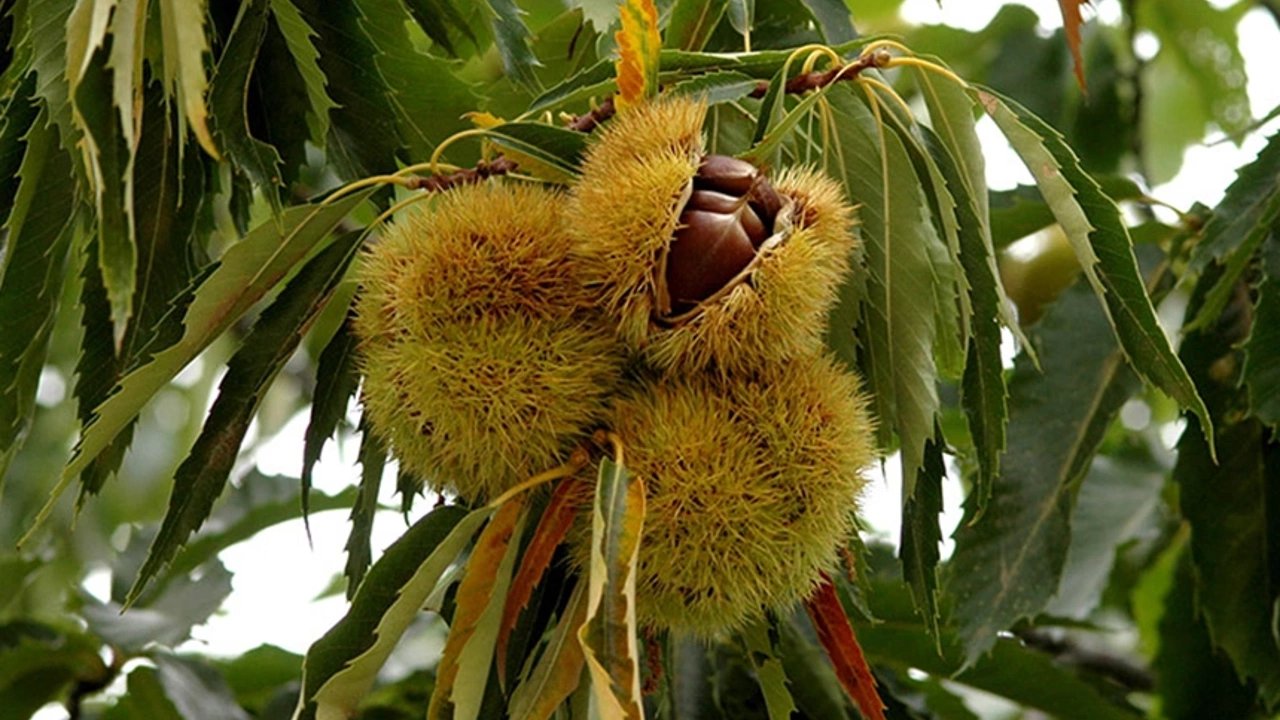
(484, 359)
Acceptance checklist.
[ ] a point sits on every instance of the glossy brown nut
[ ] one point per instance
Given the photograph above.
(716, 202)
(765, 201)
(726, 174)
(707, 252)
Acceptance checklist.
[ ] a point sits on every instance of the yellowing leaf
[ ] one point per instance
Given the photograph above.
(474, 593)
(638, 47)
(1071, 23)
(609, 635)
(559, 669)
(184, 41)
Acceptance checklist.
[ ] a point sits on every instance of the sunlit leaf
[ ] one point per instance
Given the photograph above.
(200, 479)
(899, 330)
(1093, 224)
(185, 43)
(460, 682)
(609, 634)
(717, 87)
(341, 666)
(559, 669)
(773, 678)
(638, 47)
(244, 274)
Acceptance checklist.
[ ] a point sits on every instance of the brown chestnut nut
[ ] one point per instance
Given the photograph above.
(708, 250)
(726, 219)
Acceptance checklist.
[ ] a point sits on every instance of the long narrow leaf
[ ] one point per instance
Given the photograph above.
(609, 635)
(341, 666)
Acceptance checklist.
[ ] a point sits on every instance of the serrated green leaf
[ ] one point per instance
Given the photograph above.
(982, 390)
(16, 118)
(244, 275)
(833, 18)
(166, 209)
(511, 36)
(593, 81)
(229, 98)
(922, 535)
(341, 666)
(562, 149)
(196, 689)
(202, 476)
(107, 159)
(896, 229)
(691, 22)
(40, 229)
(46, 21)
(1238, 226)
(363, 136)
(425, 112)
(609, 634)
(759, 648)
(1008, 565)
(1261, 371)
(144, 698)
(1093, 224)
(559, 668)
(299, 37)
(168, 617)
(1231, 506)
(716, 87)
(1116, 503)
(372, 459)
(336, 380)
(185, 43)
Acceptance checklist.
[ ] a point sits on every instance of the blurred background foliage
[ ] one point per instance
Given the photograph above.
(164, 131)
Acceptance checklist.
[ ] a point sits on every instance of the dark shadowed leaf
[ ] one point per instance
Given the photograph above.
(336, 381)
(1117, 501)
(1008, 564)
(372, 459)
(203, 474)
(512, 39)
(298, 37)
(186, 602)
(922, 535)
(40, 229)
(144, 698)
(228, 101)
(691, 23)
(1261, 371)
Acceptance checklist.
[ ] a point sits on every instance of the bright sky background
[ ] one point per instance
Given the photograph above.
(278, 576)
